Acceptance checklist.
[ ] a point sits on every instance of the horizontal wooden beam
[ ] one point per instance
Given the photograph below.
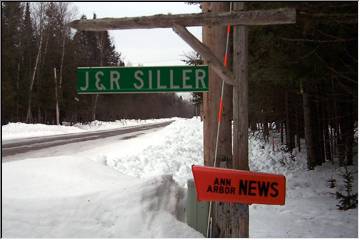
(206, 53)
(255, 17)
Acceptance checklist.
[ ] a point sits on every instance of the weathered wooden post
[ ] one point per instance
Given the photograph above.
(240, 116)
(214, 36)
(240, 95)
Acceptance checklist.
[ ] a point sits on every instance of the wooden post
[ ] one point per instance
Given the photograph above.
(240, 116)
(254, 17)
(240, 96)
(214, 37)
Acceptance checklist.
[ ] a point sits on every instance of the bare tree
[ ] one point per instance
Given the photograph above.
(65, 17)
(39, 12)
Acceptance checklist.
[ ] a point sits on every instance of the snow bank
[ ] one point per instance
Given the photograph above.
(68, 197)
(24, 130)
(179, 146)
(101, 125)
(176, 149)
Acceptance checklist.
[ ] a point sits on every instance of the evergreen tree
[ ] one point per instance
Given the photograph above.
(194, 59)
(347, 200)
(11, 16)
(27, 61)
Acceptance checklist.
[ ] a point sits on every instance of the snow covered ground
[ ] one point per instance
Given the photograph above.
(137, 188)
(23, 130)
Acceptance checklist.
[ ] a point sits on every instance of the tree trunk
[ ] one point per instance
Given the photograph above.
(347, 131)
(62, 58)
(282, 132)
(56, 99)
(298, 127)
(266, 131)
(100, 45)
(17, 93)
(93, 112)
(335, 129)
(349, 139)
(326, 133)
(319, 138)
(29, 115)
(310, 146)
(290, 136)
(341, 138)
(60, 90)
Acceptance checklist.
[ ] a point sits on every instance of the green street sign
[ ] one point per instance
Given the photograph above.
(142, 79)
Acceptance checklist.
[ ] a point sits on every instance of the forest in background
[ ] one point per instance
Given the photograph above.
(40, 54)
(306, 78)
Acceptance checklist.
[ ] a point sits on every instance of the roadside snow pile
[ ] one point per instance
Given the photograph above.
(72, 197)
(24, 130)
(101, 125)
(180, 145)
(177, 147)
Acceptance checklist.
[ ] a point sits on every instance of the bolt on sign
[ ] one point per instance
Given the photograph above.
(142, 79)
(230, 185)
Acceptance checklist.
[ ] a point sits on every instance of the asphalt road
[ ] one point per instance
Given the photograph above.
(13, 147)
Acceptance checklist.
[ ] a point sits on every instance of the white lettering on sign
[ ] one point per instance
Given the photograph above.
(138, 74)
(150, 80)
(159, 86)
(172, 84)
(98, 83)
(86, 82)
(114, 79)
(186, 78)
(144, 79)
(199, 77)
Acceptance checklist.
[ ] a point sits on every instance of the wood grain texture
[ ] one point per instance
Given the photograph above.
(249, 18)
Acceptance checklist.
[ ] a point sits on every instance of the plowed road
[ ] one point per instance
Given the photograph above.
(19, 146)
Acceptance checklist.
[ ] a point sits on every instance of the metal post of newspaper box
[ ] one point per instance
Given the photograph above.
(196, 212)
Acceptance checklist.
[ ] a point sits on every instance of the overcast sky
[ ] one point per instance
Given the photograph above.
(152, 47)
